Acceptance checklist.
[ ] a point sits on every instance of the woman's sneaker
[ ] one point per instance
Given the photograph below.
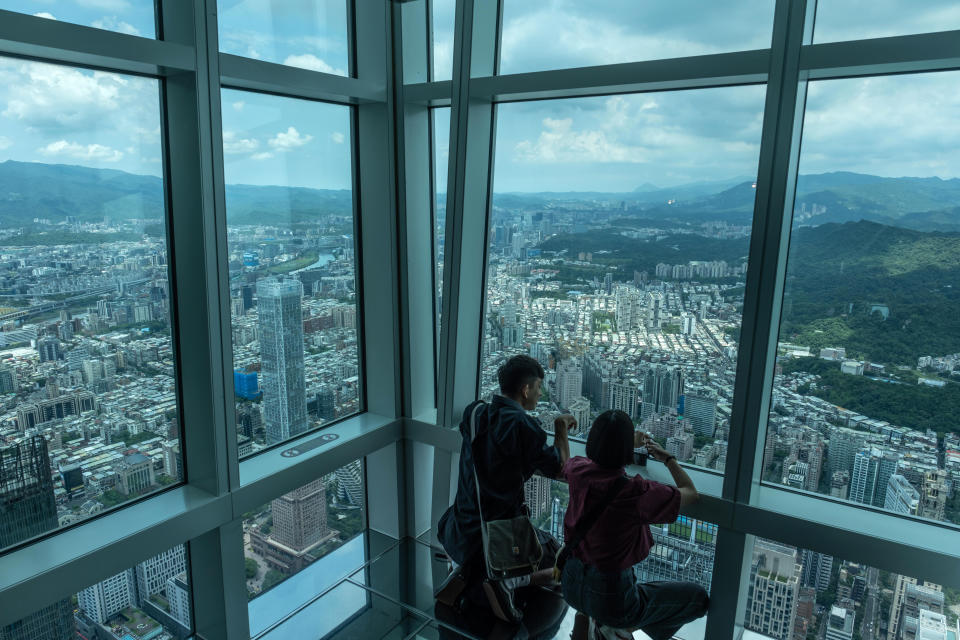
(501, 602)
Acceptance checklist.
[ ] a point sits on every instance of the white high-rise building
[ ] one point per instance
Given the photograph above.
(775, 584)
(579, 408)
(152, 574)
(901, 496)
(178, 595)
(107, 598)
(281, 358)
(840, 624)
(931, 626)
(536, 493)
(569, 385)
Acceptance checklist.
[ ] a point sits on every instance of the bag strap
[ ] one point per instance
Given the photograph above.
(590, 518)
(473, 455)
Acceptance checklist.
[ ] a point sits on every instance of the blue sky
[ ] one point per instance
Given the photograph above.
(893, 126)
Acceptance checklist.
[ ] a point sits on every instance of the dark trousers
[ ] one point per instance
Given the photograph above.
(618, 600)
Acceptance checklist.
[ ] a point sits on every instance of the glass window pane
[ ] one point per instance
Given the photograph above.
(150, 600)
(441, 160)
(556, 35)
(310, 34)
(86, 360)
(867, 388)
(857, 19)
(619, 236)
(799, 593)
(442, 21)
(290, 233)
(132, 17)
(682, 551)
(300, 546)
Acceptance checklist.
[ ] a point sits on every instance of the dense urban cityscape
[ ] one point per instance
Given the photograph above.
(90, 407)
(89, 395)
(661, 345)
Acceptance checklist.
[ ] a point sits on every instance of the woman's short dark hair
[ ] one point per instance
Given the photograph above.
(516, 372)
(610, 442)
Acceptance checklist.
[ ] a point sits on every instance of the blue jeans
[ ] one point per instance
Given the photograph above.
(618, 600)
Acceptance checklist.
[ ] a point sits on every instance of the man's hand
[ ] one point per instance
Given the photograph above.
(564, 423)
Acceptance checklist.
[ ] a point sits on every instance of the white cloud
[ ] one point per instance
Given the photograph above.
(45, 14)
(289, 139)
(239, 105)
(81, 152)
(337, 137)
(105, 5)
(5, 143)
(560, 142)
(312, 62)
(112, 23)
(263, 155)
(54, 96)
(232, 144)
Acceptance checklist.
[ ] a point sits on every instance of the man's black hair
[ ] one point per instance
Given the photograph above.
(516, 372)
(610, 442)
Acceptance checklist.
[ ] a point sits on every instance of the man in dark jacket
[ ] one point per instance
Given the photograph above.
(510, 447)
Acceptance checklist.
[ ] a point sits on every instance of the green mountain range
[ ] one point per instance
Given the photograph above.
(885, 293)
(31, 190)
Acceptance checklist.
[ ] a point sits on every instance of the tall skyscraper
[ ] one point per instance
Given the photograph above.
(817, 569)
(152, 574)
(700, 410)
(29, 509)
(350, 484)
(934, 498)
(569, 382)
(872, 468)
(281, 358)
(662, 388)
(901, 496)
(107, 598)
(843, 447)
(625, 396)
(300, 517)
(774, 586)
(536, 493)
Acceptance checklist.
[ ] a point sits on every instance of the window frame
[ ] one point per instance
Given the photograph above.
(404, 433)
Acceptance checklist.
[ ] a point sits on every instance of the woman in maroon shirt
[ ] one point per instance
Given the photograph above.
(599, 580)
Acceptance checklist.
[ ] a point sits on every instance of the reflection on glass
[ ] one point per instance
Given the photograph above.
(150, 600)
(850, 20)
(135, 18)
(798, 593)
(317, 524)
(867, 389)
(86, 361)
(292, 280)
(619, 235)
(441, 159)
(441, 22)
(310, 34)
(564, 33)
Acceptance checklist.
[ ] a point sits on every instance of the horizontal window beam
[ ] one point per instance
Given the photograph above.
(273, 473)
(280, 79)
(61, 42)
(902, 54)
(63, 564)
(916, 549)
(432, 94)
(724, 69)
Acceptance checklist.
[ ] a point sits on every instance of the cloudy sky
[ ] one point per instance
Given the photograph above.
(894, 126)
